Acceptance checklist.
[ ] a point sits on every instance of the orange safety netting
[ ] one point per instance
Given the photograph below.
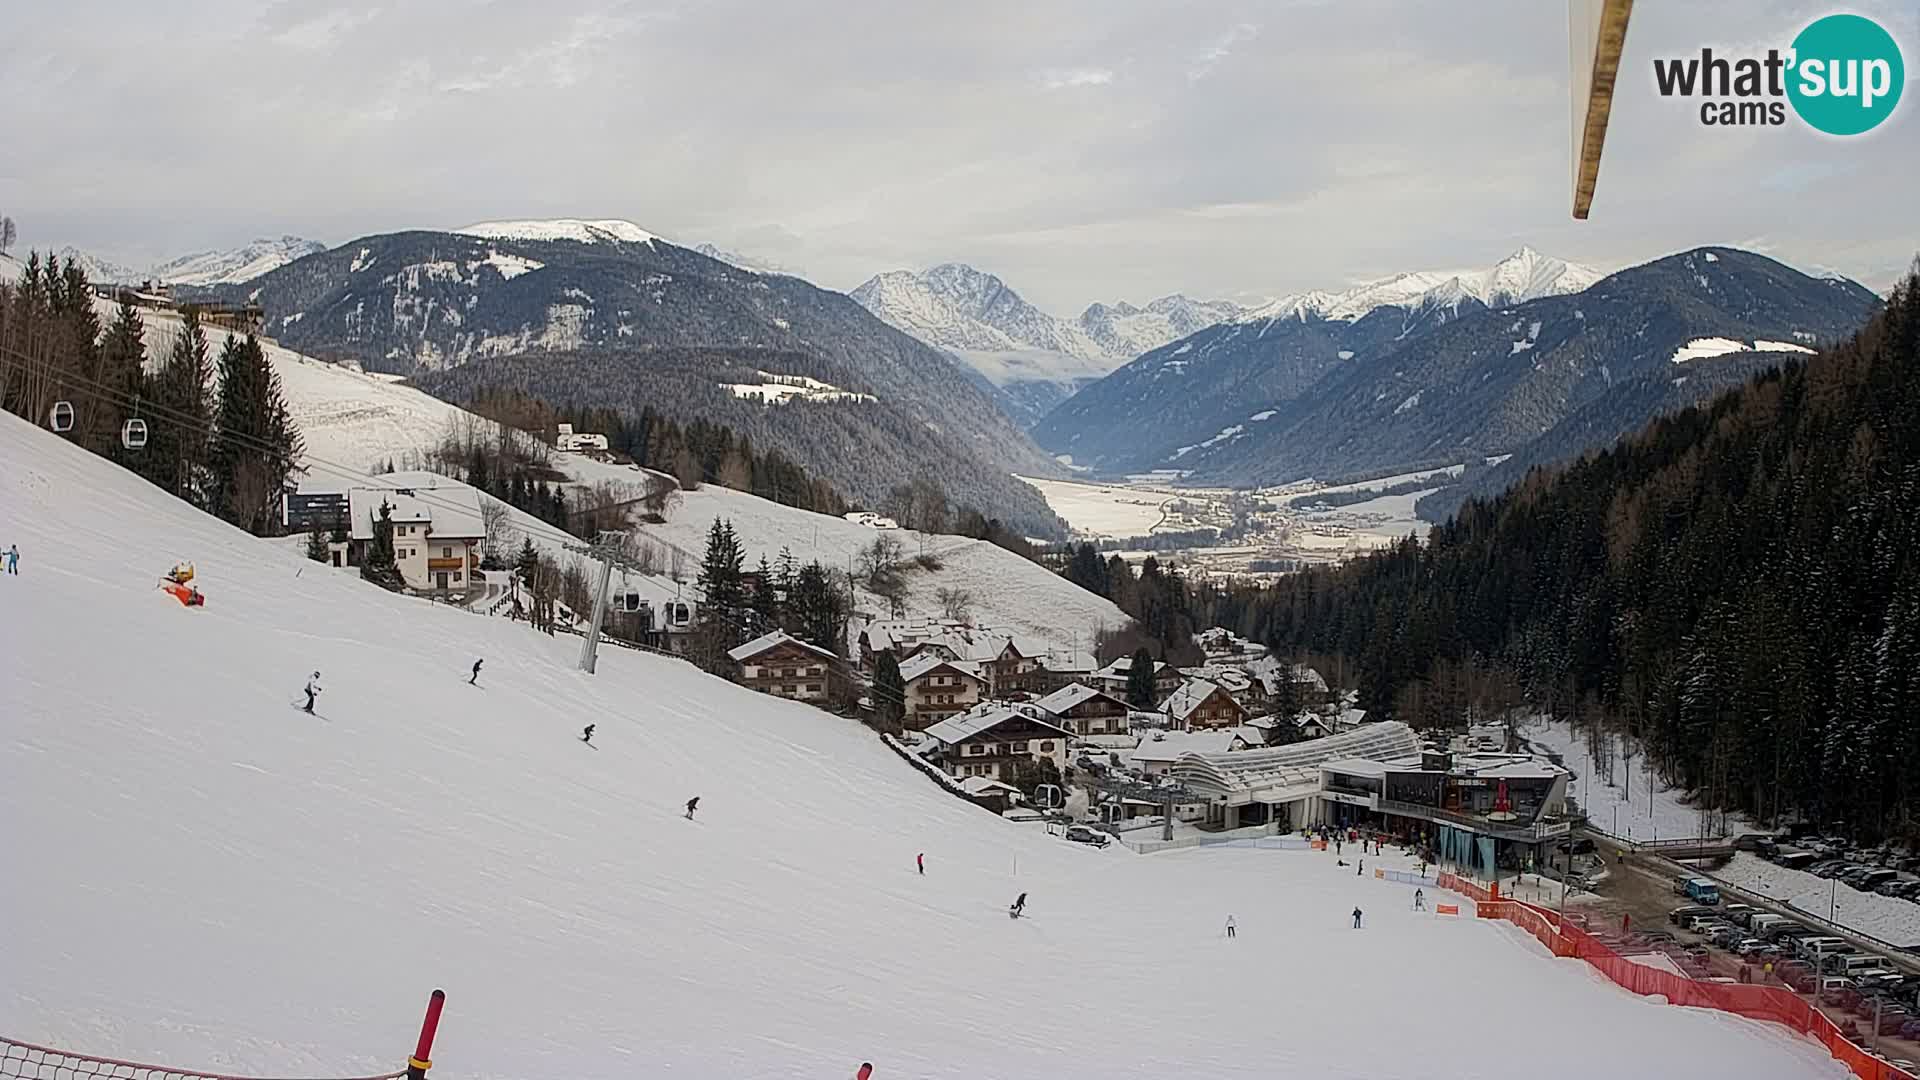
(1770, 1003)
(25, 1061)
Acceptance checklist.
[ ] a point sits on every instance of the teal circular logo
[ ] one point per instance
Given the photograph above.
(1846, 76)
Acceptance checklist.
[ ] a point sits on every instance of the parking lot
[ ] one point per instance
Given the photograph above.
(1647, 898)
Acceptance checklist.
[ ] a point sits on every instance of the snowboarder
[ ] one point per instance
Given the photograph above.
(474, 679)
(1419, 900)
(691, 804)
(920, 862)
(1019, 905)
(586, 736)
(13, 558)
(1229, 926)
(313, 691)
(1356, 918)
(866, 1071)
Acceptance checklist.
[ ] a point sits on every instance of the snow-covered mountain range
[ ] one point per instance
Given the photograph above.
(1524, 275)
(1035, 359)
(228, 267)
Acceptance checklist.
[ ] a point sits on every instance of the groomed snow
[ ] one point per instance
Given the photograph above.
(583, 231)
(212, 878)
(1890, 920)
(1706, 347)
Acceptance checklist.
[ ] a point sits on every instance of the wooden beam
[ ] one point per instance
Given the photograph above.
(1597, 31)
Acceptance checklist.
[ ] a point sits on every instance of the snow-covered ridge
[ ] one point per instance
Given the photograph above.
(1706, 347)
(237, 264)
(1524, 275)
(605, 230)
(782, 389)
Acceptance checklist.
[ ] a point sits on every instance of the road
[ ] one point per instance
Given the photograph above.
(1645, 894)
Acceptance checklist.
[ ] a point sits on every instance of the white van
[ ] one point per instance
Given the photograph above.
(1816, 948)
(1863, 965)
(1760, 924)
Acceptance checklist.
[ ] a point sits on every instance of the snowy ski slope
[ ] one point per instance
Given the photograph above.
(195, 872)
(1009, 593)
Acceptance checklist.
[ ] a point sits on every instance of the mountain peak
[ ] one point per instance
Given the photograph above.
(1524, 275)
(578, 230)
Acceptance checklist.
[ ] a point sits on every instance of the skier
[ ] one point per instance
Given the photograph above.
(866, 1071)
(1229, 926)
(1360, 870)
(313, 691)
(13, 558)
(1419, 900)
(920, 861)
(474, 679)
(691, 804)
(586, 736)
(1019, 905)
(1336, 845)
(1356, 918)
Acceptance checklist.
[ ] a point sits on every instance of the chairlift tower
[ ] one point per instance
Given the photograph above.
(606, 551)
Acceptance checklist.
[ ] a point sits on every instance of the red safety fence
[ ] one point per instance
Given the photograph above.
(27, 1061)
(1770, 1003)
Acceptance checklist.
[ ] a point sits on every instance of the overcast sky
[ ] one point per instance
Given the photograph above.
(1083, 151)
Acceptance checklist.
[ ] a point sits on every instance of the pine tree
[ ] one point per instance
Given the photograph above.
(379, 566)
(178, 447)
(720, 579)
(889, 692)
(527, 562)
(317, 549)
(1140, 691)
(255, 442)
(123, 374)
(818, 608)
(765, 604)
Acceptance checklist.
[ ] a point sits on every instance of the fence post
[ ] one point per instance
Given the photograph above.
(422, 1058)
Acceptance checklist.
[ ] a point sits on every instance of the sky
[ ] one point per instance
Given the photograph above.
(1102, 150)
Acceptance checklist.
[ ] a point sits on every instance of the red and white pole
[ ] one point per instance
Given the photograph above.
(422, 1058)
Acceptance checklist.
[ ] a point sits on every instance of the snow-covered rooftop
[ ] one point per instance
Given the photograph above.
(1074, 694)
(742, 653)
(1184, 702)
(984, 718)
(1170, 746)
(924, 662)
(1290, 766)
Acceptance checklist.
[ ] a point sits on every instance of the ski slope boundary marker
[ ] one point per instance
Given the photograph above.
(30, 1061)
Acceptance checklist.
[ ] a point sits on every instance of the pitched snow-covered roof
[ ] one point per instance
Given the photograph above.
(1170, 746)
(925, 662)
(1287, 767)
(982, 785)
(1123, 666)
(983, 718)
(1193, 693)
(742, 653)
(1073, 694)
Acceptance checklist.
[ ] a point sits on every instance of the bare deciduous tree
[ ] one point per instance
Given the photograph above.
(955, 604)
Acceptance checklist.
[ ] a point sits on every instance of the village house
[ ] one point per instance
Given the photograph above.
(436, 533)
(1199, 703)
(784, 666)
(992, 739)
(939, 687)
(1113, 678)
(1156, 754)
(578, 442)
(1013, 665)
(1086, 711)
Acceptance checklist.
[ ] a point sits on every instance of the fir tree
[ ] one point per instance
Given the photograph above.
(123, 367)
(526, 562)
(818, 608)
(1140, 690)
(255, 442)
(317, 549)
(889, 692)
(720, 578)
(178, 447)
(379, 566)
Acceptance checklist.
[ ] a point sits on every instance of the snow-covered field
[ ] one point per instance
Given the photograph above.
(1890, 920)
(197, 873)
(1009, 593)
(1608, 805)
(1103, 509)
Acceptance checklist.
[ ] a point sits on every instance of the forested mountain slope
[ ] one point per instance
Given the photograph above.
(1738, 583)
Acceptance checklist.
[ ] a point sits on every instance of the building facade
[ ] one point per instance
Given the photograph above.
(1085, 710)
(784, 666)
(938, 687)
(994, 740)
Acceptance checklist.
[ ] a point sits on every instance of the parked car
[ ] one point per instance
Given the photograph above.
(1828, 869)
(1802, 979)
(1654, 937)
(1740, 915)
(1679, 916)
(1697, 889)
(1081, 834)
(1911, 1030)
(1837, 991)
(1876, 877)
(1755, 951)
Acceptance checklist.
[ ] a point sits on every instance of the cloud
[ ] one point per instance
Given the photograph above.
(1083, 150)
(1221, 49)
(1067, 78)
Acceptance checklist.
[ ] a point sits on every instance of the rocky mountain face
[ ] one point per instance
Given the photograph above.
(237, 264)
(603, 313)
(1036, 360)
(1450, 371)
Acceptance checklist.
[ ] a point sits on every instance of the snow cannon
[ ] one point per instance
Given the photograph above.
(186, 594)
(181, 573)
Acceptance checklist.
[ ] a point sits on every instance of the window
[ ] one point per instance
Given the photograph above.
(1019, 748)
(1046, 748)
(975, 749)
(813, 688)
(456, 575)
(446, 553)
